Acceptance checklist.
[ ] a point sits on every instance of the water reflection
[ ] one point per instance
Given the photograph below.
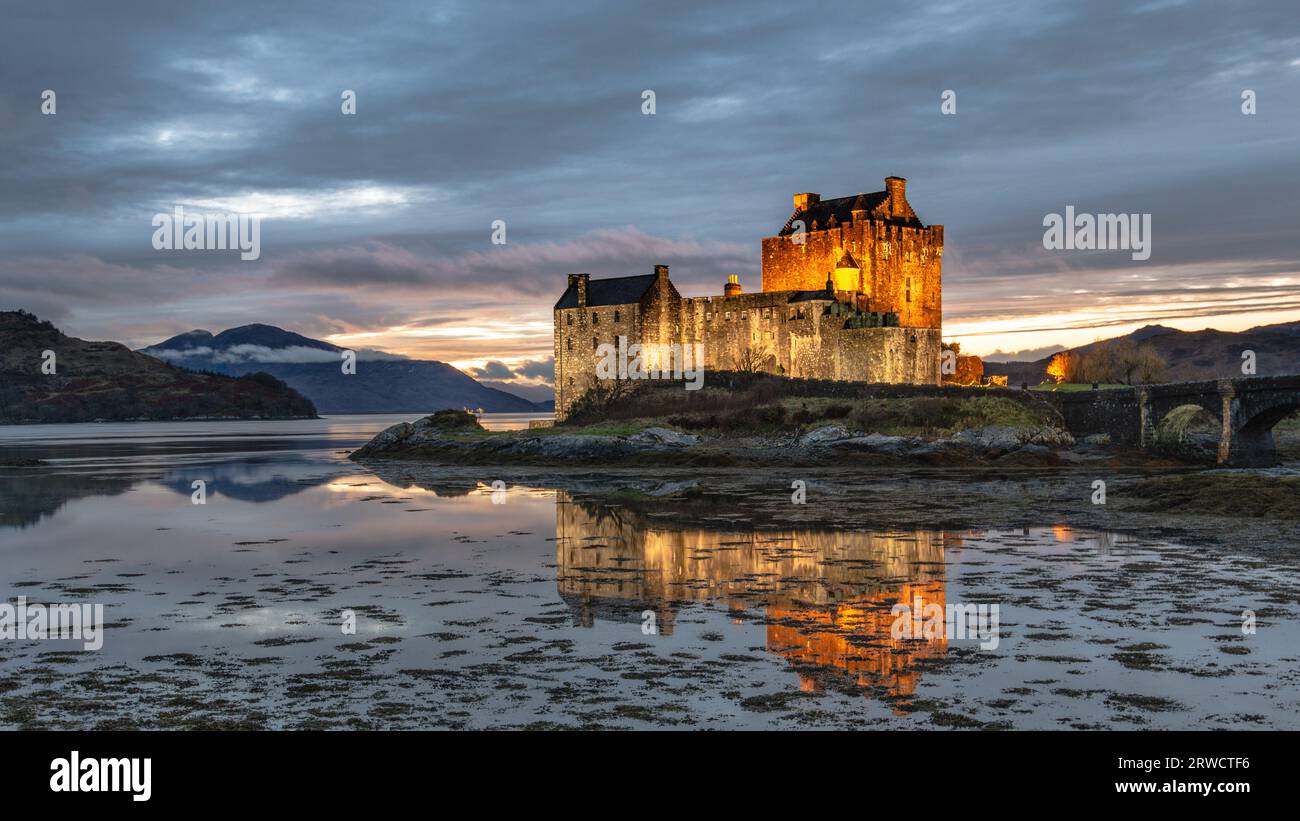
(825, 596)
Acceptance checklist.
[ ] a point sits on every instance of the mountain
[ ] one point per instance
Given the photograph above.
(106, 381)
(382, 383)
(1189, 356)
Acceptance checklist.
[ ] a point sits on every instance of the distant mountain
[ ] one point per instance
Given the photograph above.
(1189, 355)
(94, 381)
(262, 336)
(383, 383)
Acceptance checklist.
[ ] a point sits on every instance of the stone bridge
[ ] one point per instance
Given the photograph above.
(1246, 408)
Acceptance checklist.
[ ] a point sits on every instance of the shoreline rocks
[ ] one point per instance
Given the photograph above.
(431, 439)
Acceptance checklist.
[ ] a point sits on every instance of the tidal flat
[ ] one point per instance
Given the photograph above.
(617, 599)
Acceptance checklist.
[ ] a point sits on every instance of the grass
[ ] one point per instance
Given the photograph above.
(621, 428)
(1072, 387)
(894, 416)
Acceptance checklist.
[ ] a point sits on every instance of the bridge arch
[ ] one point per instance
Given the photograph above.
(1190, 429)
(1250, 440)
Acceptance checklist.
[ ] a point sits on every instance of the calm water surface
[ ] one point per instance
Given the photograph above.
(537, 606)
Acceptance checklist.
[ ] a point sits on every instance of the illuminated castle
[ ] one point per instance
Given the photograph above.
(851, 290)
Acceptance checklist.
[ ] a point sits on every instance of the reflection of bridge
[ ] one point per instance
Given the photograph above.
(1247, 409)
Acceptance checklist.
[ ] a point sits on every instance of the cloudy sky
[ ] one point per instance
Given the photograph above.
(376, 228)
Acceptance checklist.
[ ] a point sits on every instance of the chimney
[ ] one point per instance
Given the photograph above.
(859, 214)
(802, 202)
(732, 288)
(897, 188)
(580, 280)
(661, 273)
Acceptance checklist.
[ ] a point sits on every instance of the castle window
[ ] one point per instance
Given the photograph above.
(595, 343)
(595, 318)
(909, 289)
(570, 319)
(616, 316)
(743, 314)
(708, 316)
(728, 316)
(568, 343)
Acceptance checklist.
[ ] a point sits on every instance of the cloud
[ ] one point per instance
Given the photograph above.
(383, 218)
(493, 370)
(526, 268)
(1027, 355)
(540, 371)
(241, 354)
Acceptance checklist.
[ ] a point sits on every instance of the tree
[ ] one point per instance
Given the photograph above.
(752, 360)
(1061, 367)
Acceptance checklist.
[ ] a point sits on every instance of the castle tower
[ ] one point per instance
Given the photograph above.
(873, 246)
(848, 276)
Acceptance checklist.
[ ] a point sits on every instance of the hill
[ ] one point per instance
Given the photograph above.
(1189, 355)
(383, 383)
(107, 381)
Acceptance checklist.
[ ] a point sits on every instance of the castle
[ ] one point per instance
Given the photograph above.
(851, 290)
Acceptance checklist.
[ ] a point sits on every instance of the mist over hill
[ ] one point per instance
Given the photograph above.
(92, 381)
(382, 383)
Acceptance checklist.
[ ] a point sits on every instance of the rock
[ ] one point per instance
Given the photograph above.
(664, 436)
(1049, 436)
(673, 488)
(876, 443)
(823, 436)
(951, 451)
(389, 438)
(1096, 439)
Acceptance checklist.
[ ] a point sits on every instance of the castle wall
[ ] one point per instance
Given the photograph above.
(575, 353)
(751, 332)
(767, 332)
(900, 266)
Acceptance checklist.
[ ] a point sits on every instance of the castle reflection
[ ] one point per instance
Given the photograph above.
(824, 596)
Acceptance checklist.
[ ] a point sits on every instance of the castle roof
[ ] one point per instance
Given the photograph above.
(610, 291)
(838, 211)
(809, 296)
(846, 261)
